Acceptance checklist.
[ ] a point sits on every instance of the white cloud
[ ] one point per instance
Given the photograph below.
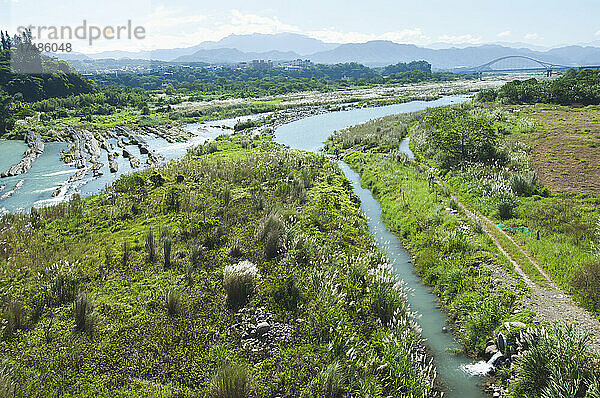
(531, 36)
(504, 34)
(598, 33)
(461, 39)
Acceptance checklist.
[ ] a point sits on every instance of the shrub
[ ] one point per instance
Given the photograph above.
(150, 246)
(329, 383)
(230, 381)
(556, 364)
(63, 286)
(15, 316)
(7, 384)
(587, 281)
(387, 301)
(456, 241)
(85, 319)
(506, 206)
(125, 257)
(270, 232)
(524, 185)
(167, 252)
(286, 294)
(197, 255)
(239, 281)
(236, 249)
(173, 302)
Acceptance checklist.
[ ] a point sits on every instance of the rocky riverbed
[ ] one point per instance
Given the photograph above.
(34, 150)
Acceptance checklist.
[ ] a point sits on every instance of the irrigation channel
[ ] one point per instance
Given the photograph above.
(309, 134)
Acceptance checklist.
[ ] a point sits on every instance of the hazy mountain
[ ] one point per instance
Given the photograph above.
(232, 55)
(378, 53)
(72, 56)
(261, 43)
(288, 46)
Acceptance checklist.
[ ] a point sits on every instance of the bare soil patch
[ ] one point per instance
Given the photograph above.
(566, 148)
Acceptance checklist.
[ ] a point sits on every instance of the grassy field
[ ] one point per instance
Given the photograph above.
(565, 147)
(476, 283)
(451, 253)
(161, 285)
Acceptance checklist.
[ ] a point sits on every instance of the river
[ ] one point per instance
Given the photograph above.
(309, 134)
(48, 173)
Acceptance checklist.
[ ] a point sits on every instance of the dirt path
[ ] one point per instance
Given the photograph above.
(549, 303)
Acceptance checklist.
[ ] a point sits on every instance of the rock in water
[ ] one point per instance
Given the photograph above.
(36, 148)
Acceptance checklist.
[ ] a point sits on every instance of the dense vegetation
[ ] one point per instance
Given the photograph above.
(54, 97)
(157, 287)
(234, 82)
(449, 249)
(574, 87)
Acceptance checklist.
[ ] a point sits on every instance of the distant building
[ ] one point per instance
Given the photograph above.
(262, 64)
(297, 64)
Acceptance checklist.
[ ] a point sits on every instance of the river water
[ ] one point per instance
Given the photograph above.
(48, 173)
(309, 134)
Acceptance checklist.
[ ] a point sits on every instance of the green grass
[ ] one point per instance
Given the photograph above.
(446, 258)
(146, 329)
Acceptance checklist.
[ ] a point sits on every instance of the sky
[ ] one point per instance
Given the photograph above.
(182, 23)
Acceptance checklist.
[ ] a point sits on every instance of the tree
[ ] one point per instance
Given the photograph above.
(7, 121)
(455, 135)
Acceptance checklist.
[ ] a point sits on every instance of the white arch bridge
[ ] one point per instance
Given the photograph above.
(520, 63)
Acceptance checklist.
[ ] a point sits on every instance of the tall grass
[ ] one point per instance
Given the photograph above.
(173, 302)
(239, 281)
(83, 314)
(167, 243)
(230, 381)
(555, 364)
(329, 383)
(271, 231)
(150, 246)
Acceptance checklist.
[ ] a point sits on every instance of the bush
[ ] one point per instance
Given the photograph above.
(150, 246)
(125, 257)
(506, 206)
(85, 319)
(63, 287)
(286, 294)
(167, 252)
(524, 185)
(230, 381)
(556, 364)
(387, 301)
(270, 232)
(329, 383)
(239, 281)
(587, 281)
(173, 302)
(7, 384)
(15, 316)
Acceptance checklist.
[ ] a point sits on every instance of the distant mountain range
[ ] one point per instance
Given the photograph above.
(289, 46)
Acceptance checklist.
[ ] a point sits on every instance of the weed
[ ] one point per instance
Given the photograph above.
(173, 302)
(230, 381)
(83, 313)
(239, 281)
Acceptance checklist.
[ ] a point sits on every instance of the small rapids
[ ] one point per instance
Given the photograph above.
(481, 368)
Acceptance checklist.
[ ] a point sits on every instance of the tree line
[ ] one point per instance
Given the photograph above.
(574, 87)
